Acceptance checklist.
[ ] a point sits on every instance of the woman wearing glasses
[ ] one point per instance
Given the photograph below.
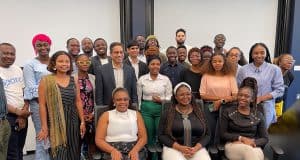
(87, 94)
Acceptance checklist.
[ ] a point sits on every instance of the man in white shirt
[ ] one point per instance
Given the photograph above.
(100, 47)
(18, 110)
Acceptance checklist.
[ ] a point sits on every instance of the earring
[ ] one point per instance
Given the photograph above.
(54, 68)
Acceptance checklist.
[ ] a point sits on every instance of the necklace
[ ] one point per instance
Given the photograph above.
(187, 111)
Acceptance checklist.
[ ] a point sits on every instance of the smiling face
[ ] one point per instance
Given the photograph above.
(73, 47)
(245, 97)
(83, 63)
(133, 51)
(42, 48)
(181, 54)
(259, 54)
(234, 56)
(172, 55)
(154, 67)
(62, 63)
(100, 47)
(218, 62)
(7, 55)
(121, 100)
(87, 45)
(195, 58)
(117, 54)
(183, 95)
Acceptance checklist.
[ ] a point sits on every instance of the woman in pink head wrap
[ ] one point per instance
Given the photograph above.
(33, 71)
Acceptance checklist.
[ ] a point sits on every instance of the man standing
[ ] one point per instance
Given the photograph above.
(180, 38)
(73, 48)
(13, 83)
(182, 54)
(140, 68)
(141, 41)
(4, 125)
(113, 75)
(87, 46)
(100, 47)
(172, 68)
(219, 43)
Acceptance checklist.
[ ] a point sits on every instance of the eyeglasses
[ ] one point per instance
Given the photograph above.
(84, 62)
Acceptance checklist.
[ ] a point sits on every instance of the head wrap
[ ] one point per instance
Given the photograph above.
(182, 84)
(42, 38)
(151, 37)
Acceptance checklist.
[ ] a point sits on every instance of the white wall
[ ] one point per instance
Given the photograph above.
(21, 20)
(243, 22)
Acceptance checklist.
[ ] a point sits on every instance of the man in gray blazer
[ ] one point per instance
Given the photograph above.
(114, 74)
(100, 47)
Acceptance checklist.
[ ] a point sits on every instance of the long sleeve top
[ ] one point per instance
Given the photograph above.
(178, 130)
(33, 72)
(234, 124)
(147, 87)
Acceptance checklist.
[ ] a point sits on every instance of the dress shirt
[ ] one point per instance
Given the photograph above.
(147, 87)
(119, 77)
(172, 71)
(135, 67)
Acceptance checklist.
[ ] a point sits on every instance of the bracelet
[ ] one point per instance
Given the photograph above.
(82, 123)
(240, 138)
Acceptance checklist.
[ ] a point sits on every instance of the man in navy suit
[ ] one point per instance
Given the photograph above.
(115, 74)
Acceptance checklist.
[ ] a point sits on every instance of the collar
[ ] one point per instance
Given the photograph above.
(260, 68)
(130, 60)
(114, 67)
(159, 76)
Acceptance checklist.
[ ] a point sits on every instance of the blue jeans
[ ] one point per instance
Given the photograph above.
(40, 152)
(16, 140)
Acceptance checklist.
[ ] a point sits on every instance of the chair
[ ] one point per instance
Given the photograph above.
(277, 151)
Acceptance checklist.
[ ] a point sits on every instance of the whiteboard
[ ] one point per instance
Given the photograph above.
(21, 20)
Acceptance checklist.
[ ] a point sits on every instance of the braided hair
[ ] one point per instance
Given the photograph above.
(171, 115)
(250, 82)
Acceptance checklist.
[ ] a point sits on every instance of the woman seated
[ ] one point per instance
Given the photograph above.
(242, 126)
(183, 128)
(121, 131)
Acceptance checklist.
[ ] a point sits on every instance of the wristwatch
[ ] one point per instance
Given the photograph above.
(223, 101)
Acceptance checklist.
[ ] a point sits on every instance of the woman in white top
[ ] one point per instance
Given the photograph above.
(120, 131)
(152, 89)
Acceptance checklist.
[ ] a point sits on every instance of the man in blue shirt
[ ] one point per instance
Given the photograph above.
(172, 68)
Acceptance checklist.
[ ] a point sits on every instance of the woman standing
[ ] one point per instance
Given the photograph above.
(87, 93)
(218, 86)
(183, 127)
(268, 76)
(61, 109)
(33, 71)
(193, 75)
(153, 88)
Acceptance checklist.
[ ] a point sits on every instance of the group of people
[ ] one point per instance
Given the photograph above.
(62, 91)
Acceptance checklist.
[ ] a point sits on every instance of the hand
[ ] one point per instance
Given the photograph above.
(116, 155)
(43, 134)
(22, 123)
(133, 154)
(82, 129)
(156, 99)
(22, 112)
(248, 141)
(217, 105)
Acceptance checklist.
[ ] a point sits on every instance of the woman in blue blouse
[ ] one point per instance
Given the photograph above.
(268, 76)
(33, 71)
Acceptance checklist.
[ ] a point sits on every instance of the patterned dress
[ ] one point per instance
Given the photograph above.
(72, 151)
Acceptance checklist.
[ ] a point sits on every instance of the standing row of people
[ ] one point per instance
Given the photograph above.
(53, 97)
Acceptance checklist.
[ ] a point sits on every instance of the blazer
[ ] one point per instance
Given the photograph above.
(105, 83)
(143, 68)
(95, 64)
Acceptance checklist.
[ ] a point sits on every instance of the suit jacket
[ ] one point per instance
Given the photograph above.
(95, 64)
(143, 68)
(105, 83)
